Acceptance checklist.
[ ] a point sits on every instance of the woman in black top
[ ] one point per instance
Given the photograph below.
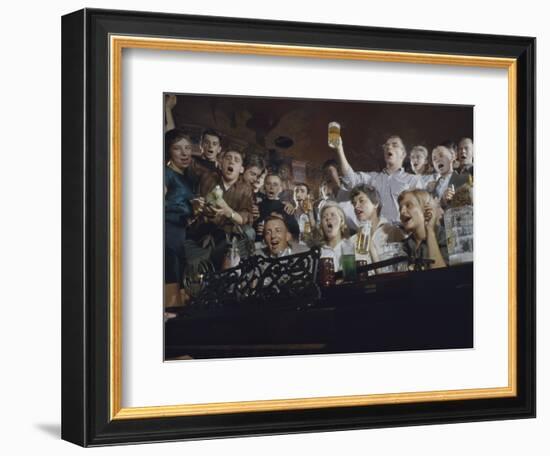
(178, 210)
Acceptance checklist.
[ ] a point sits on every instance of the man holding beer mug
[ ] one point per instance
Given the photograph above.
(389, 183)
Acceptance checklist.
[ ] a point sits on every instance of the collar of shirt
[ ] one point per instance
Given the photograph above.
(464, 168)
(222, 183)
(381, 221)
(445, 178)
(399, 171)
(285, 252)
(333, 249)
(171, 166)
(415, 251)
(441, 183)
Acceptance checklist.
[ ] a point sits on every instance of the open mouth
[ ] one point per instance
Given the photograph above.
(330, 227)
(181, 162)
(440, 166)
(358, 213)
(405, 219)
(274, 244)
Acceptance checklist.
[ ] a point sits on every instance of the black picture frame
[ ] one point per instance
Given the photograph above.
(86, 273)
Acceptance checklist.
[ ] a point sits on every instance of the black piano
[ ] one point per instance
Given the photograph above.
(286, 312)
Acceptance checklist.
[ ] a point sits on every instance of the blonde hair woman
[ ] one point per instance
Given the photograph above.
(333, 231)
(420, 214)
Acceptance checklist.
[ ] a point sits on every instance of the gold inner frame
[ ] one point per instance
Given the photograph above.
(117, 44)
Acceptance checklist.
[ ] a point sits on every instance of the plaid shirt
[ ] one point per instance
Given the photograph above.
(421, 252)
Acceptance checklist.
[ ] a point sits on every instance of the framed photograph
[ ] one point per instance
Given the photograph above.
(275, 227)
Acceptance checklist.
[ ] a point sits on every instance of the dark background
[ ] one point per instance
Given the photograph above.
(283, 129)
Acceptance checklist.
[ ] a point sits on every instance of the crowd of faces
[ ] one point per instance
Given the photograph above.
(329, 220)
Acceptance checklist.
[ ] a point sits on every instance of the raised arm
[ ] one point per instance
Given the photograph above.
(345, 167)
(169, 104)
(434, 252)
(350, 178)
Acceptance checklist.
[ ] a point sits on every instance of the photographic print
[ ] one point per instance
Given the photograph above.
(307, 226)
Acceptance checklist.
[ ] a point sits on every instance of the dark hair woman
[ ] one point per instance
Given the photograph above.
(178, 209)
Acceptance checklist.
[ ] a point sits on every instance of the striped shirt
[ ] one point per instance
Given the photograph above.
(389, 187)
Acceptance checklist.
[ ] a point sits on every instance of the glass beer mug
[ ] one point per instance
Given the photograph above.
(307, 205)
(363, 239)
(333, 134)
(348, 261)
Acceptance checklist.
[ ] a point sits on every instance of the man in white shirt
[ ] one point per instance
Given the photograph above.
(448, 180)
(390, 182)
(465, 156)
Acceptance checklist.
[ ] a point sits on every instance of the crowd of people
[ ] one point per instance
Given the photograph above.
(223, 205)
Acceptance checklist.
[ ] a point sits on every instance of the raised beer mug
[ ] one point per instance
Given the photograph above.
(333, 134)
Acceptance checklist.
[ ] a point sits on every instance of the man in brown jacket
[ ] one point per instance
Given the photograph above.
(228, 205)
(236, 206)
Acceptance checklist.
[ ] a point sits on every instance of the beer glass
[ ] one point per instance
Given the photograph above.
(333, 134)
(348, 261)
(362, 240)
(307, 205)
(327, 276)
(194, 275)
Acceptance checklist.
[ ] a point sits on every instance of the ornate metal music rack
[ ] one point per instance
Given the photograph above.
(262, 281)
